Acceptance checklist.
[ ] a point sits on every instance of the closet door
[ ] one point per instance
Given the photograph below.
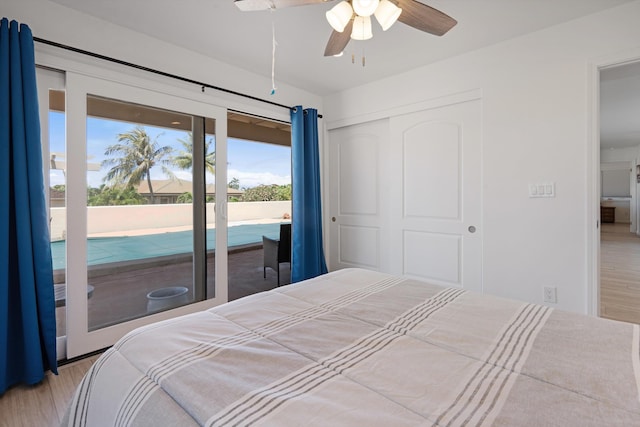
(435, 189)
(358, 196)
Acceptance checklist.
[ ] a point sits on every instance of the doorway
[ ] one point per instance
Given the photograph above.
(618, 153)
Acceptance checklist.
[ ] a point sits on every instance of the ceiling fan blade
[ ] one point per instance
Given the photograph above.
(253, 5)
(425, 18)
(338, 41)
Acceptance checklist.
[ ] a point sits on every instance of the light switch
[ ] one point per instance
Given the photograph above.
(547, 189)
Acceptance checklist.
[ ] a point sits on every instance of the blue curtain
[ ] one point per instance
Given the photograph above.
(27, 305)
(307, 254)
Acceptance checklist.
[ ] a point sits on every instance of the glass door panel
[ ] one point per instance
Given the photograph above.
(136, 210)
(139, 211)
(57, 203)
(259, 201)
(208, 163)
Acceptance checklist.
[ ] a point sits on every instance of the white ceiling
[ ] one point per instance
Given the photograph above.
(217, 28)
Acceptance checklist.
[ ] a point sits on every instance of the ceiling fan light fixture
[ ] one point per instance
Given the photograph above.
(361, 28)
(339, 16)
(387, 14)
(365, 7)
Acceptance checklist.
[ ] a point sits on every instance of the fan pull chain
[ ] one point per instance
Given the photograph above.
(273, 56)
(353, 58)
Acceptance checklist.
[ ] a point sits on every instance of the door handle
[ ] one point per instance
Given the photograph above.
(472, 229)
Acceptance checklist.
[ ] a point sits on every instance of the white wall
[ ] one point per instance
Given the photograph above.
(535, 92)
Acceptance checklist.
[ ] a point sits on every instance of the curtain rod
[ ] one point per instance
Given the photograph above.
(154, 71)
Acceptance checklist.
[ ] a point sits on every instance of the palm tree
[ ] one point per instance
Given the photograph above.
(184, 160)
(136, 156)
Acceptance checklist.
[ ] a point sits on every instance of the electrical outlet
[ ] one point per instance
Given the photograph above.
(550, 294)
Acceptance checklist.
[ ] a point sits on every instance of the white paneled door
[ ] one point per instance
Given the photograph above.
(437, 212)
(358, 203)
(405, 195)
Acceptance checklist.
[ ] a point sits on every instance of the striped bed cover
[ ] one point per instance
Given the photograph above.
(362, 348)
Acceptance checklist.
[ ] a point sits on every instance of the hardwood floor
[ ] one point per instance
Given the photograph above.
(619, 273)
(44, 404)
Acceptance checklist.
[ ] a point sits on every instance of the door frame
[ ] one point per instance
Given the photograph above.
(47, 80)
(593, 172)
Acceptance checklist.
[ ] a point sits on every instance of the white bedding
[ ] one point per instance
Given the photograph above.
(361, 348)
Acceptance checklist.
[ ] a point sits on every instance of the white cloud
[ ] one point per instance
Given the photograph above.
(183, 175)
(56, 178)
(252, 179)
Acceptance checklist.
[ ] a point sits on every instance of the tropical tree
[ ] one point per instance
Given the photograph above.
(184, 160)
(283, 192)
(113, 196)
(234, 183)
(135, 155)
(186, 197)
(267, 193)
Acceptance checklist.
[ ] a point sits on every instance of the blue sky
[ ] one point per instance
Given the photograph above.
(251, 162)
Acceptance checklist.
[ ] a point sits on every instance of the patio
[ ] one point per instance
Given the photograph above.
(121, 293)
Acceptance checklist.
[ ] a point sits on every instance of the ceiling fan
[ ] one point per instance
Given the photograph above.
(351, 18)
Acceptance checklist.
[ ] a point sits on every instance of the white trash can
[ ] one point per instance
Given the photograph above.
(165, 298)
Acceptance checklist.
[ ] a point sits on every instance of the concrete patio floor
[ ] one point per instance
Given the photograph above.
(121, 294)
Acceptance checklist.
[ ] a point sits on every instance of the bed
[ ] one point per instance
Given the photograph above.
(361, 348)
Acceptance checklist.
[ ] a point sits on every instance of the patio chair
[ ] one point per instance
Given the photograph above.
(277, 251)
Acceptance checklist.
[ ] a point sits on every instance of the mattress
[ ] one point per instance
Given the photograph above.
(361, 348)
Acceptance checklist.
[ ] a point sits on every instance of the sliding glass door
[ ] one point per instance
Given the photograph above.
(159, 205)
(140, 184)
